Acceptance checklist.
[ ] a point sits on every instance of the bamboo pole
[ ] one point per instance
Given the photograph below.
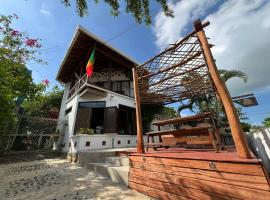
(140, 146)
(237, 132)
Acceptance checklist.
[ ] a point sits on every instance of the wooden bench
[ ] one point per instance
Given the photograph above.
(206, 134)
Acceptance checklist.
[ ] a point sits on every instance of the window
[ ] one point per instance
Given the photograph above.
(68, 110)
(121, 87)
(75, 144)
(103, 143)
(87, 143)
(128, 141)
(119, 142)
(116, 86)
(92, 104)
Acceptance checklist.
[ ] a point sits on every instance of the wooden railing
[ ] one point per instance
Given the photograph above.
(80, 83)
(84, 81)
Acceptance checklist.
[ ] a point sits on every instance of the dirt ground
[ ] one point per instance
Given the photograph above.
(57, 179)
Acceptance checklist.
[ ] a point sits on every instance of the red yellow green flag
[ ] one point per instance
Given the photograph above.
(90, 64)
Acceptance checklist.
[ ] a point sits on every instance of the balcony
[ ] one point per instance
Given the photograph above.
(120, 87)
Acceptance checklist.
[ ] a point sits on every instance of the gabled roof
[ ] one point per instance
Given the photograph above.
(78, 52)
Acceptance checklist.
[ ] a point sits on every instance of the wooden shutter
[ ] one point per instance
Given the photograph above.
(111, 120)
(83, 119)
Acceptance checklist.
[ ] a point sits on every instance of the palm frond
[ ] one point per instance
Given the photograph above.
(228, 74)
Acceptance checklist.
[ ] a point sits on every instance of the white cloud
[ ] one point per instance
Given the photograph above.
(168, 30)
(45, 12)
(240, 29)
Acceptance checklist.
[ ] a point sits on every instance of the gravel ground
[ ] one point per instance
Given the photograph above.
(57, 179)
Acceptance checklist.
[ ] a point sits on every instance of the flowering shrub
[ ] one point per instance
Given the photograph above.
(16, 84)
(15, 44)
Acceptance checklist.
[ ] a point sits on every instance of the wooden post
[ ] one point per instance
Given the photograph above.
(237, 132)
(140, 146)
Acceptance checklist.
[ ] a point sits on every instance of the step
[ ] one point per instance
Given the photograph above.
(118, 174)
(117, 161)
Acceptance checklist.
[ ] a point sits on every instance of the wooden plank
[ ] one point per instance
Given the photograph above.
(183, 119)
(209, 186)
(250, 181)
(154, 144)
(187, 131)
(140, 146)
(237, 132)
(190, 193)
(171, 140)
(154, 192)
(242, 168)
(189, 142)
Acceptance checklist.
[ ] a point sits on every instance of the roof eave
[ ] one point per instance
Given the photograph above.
(73, 40)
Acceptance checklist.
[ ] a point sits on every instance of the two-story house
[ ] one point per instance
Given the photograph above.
(104, 102)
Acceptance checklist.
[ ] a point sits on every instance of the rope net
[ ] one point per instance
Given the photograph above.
(176, 74)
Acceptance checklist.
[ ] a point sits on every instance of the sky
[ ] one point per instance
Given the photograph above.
(239, 29)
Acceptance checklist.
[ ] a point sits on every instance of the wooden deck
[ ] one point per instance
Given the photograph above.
(197, 174)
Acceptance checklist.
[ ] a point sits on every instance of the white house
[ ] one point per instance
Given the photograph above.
(104, 102)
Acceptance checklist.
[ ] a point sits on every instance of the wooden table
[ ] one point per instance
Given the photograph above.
(211, 129)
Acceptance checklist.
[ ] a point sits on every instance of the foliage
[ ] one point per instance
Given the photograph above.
(139, 9)
(170, 112)
(245, 126)
(209, 103)
(16, 49)
(228, 74)
(148, 114)
(266, 122)
(43, 103)
(88, 131)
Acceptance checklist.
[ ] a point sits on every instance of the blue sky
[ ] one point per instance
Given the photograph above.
(238, 29)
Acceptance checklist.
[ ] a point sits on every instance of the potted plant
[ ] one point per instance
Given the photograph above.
(87, 131)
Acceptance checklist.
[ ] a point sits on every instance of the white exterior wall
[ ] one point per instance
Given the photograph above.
(111, 99)
(97, 139)
(70, 119)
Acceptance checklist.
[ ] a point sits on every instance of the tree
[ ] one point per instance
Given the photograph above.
(245, 126)
(229, 74)
(266, 122)
(170, 112)
(209, 103)
(138, 8)
(44, 103)
(16, 84)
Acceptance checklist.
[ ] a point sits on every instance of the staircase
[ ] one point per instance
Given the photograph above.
(115, 168)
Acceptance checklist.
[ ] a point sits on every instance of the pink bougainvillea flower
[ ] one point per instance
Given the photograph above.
(32, 43)
(46, 81)
(14, 33)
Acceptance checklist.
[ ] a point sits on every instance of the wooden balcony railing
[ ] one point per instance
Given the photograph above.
(85, 81)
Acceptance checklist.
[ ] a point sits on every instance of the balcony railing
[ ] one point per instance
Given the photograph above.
(84, 82)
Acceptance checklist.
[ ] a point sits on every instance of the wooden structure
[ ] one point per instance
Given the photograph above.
(184, 71)
(206, 132)
(198, 174)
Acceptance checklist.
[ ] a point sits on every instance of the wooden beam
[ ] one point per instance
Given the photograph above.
(237, 132)
(140, 146)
